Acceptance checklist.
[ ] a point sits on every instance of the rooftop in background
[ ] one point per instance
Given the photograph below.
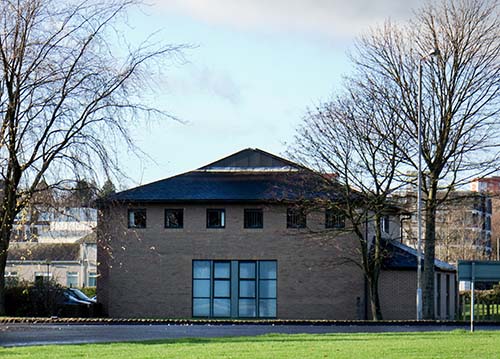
(42, 252)
(69, 214)
(486, 184)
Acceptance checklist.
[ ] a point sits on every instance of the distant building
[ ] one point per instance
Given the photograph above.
(487, 184)
(58, 244)
(55, 225)
(463, 225)
(69, 264)
(491, 186)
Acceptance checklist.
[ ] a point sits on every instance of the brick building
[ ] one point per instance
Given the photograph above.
(230, 240)
(69, 264)
(463, 225)
(491, 187)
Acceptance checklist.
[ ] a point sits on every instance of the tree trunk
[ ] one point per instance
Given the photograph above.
(4, 246)
(429, 256)
(374, 299)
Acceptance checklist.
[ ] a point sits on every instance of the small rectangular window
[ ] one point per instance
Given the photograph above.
(137, 218)
(72, 279)
(385, 224)
(41, 277)
(174, 218)
(295, 217)
(253, 218)
(216, 218)
(334, 219)
(10, 278)
(92, 279)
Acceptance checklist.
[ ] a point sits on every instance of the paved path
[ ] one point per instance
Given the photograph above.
(40, 334)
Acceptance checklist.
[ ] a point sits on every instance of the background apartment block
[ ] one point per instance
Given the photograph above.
(491, 187)
(463, 225)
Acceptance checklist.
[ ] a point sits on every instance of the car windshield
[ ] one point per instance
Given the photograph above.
(79, 294)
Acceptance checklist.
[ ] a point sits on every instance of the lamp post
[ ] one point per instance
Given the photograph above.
(419, 190)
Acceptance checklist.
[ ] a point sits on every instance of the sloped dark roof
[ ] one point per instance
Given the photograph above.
(44, 252)
(251, 158)
(231, 187)
(248, 175)
(400, 256)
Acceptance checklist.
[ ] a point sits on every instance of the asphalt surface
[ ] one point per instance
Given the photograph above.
(43, 334)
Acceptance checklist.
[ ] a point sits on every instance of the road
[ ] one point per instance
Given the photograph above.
(41, 334)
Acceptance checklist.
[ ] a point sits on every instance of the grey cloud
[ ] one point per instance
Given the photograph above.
(220, 84)
(206, 80)
(338, 18)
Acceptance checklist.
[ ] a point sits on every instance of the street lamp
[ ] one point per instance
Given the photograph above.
(419, 191)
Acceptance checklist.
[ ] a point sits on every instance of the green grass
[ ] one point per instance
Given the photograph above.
(456, 344)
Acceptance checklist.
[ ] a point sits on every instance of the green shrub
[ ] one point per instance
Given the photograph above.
(89, 291)
(40, 299)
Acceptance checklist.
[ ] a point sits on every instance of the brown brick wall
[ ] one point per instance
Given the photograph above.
(148, 272)
(398, 292)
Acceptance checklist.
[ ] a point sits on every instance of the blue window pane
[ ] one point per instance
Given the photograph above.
(221, 288)
(247, 270)
(201, 307)
(247, 288)
(267, 308)
(222, 307)
(222, 270)
(246, 308)
(201, 269)
(267, 288)
(267, 269)
(201, 288)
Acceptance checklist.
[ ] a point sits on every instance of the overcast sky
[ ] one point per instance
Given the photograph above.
(254, 68)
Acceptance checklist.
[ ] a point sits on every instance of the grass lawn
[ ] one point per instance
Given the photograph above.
(456, 344)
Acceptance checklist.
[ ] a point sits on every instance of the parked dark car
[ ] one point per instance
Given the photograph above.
(76, 296)
(77, 304)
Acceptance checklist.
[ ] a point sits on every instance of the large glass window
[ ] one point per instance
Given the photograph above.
(249, 293)
(253, 218)
(201, 288)
(216, 218)
(137, 218)
(211, 289)
(267, 289)
(174, 218)
(247, 290)
(222, 289)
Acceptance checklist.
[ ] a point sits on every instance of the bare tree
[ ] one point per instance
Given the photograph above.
(67, 95)
(355, 138)
(460, 102)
